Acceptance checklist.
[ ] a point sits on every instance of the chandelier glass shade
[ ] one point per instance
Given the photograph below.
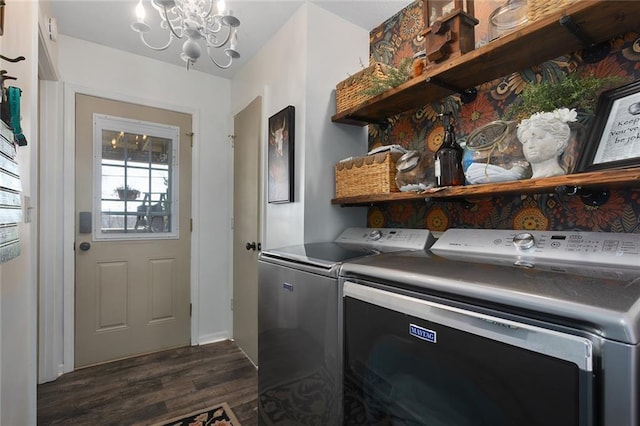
(193, 21)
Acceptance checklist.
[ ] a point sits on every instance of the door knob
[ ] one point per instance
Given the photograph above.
(251, 246)
(85, 246)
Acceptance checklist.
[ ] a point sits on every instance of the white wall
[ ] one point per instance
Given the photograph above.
(277, 73)
(118, 75)
(300, 66)
(336, 48)
(18, 302)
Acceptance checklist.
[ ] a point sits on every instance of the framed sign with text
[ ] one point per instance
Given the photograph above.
(614, 137)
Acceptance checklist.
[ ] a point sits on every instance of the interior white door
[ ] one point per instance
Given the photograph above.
(132, 242)
(246, 229)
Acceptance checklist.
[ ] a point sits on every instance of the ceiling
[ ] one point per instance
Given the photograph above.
(107, 22)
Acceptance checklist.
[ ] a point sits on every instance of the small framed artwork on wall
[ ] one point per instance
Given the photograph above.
(281, 155)
(614, 137)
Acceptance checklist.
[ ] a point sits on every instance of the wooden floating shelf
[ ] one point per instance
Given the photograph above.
(617, 178)
(530, 45)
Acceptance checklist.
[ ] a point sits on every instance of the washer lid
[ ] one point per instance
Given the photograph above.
(350, 244)
(325, 255)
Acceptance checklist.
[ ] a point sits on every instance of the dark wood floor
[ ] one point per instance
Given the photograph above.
(152, 388)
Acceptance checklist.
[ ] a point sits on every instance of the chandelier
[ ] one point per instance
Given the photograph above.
(194, 20)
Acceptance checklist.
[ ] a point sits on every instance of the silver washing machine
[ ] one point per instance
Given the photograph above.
(299, 328)
(495, 327)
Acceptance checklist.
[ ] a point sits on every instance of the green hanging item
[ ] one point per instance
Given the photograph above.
(13, 95)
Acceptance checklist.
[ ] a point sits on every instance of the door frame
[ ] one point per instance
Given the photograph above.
(60, 359)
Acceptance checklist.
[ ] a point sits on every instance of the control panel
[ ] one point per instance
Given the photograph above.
(387, 239)
(531, 248)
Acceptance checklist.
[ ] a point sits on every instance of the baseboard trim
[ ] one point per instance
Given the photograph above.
(213, 338)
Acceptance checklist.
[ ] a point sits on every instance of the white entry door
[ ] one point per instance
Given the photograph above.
(246, 229)
(132, 242)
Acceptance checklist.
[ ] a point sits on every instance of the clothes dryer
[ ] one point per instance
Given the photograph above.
(495, 327)
(299, 322)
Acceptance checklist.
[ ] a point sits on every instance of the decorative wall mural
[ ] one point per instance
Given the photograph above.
(420, 129)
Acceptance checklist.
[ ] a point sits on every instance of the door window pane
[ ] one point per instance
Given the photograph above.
(136, 169)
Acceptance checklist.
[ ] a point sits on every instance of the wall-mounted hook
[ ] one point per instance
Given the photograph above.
(466, 95)
(592, 52)
(16, 59)
(4, 76)
(594, 197)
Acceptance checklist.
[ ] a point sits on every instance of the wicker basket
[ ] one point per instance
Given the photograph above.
(373, 174)
(350, 92)
(536, 9)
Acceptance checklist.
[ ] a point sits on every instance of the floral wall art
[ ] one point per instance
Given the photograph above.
(421, 129)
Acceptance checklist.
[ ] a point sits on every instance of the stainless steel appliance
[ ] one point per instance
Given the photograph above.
(495, 328)
(299, 328)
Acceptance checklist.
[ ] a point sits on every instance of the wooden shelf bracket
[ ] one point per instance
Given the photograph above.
(592, 52)
(466, 95)
(593, 197)
(383, 124)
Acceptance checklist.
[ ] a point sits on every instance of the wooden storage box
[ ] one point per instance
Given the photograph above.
(351, 92)
(372, 174)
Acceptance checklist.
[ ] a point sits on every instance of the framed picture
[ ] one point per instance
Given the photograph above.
(614, 137)
(281, 154)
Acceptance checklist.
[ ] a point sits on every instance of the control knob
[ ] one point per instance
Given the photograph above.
(524, 241)
(375, 235)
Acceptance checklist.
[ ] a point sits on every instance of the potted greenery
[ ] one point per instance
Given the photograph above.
(573, 91)
(125, 192)
(392, 78)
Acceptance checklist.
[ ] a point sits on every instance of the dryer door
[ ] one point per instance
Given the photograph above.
(414, 361)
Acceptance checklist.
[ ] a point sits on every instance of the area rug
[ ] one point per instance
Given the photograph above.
(219, 415)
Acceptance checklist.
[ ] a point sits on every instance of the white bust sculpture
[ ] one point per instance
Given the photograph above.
(544, 137)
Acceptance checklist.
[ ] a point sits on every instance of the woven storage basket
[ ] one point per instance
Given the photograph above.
(536, 9)
(372, 174)
(350, 92)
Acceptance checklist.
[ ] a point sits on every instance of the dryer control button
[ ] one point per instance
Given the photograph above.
(524, 241)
